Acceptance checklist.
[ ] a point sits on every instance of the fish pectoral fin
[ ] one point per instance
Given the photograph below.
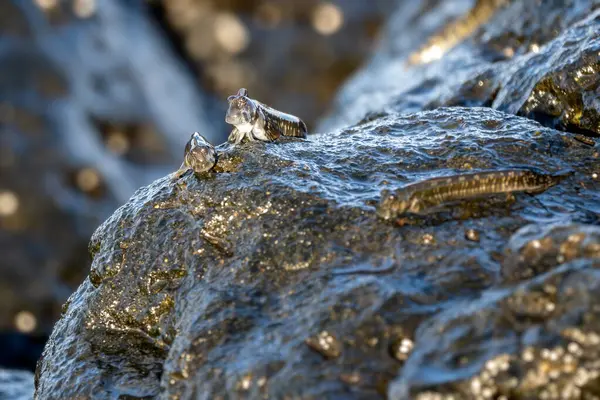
(510, 197)
(235, 136)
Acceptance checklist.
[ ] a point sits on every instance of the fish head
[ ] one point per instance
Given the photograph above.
(242, 110)
(392, 205)
(199, 155)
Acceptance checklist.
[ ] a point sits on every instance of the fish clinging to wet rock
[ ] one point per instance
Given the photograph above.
(427, 195)
(199, 155)
(256, 121)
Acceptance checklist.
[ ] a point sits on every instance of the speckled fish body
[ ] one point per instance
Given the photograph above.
(258, 122)
(422, 196)
(199, 155)
(286, 124)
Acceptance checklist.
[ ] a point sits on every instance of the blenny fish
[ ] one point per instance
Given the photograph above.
(256, 121)
(421, 197)
(199, 156)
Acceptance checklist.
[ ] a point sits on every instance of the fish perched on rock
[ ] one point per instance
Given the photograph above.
(258, 122)
(199, 156)
(421, 197)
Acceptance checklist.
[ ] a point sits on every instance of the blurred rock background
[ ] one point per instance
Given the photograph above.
(98, 98)
(290, 54)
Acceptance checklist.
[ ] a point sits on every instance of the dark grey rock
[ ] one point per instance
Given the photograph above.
(211, 287)
(535, 249)
(272, 277)
(541, 62)
(535, 340)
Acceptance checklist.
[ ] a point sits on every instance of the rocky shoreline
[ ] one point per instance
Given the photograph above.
(273, 277)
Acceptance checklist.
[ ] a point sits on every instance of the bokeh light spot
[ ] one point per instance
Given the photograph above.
(25, 321)
(117, 143)
(327, 18)
(9, 203)
(231, 33)
(46, 4)
(88, 179)
(84, 8)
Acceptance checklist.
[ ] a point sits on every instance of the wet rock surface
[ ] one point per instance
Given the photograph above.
(520, 57)
(536, 340)
(535, 249)
(273, 276)
(86, 117)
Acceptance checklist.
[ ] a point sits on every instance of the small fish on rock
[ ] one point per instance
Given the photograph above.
(421, 197)
(256, 121)
(199, 156)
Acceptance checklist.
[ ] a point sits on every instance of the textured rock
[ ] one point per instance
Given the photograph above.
(274, 277)
(536, 340)
(535, 249)
(515, 56)
(87, 115)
